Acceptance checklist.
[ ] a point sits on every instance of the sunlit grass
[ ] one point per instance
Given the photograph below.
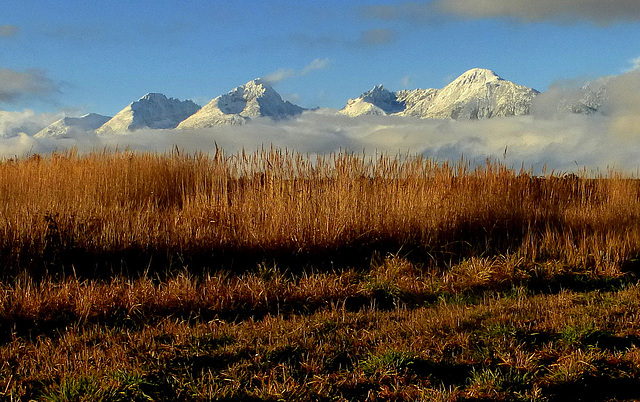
(275, 276)
(98, 211)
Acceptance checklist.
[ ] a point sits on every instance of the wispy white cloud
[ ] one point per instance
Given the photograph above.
(316, 64)
(286, 73)
(419, 12)
(26, 122)
(279, 75)
(369, 38)
(624, 91)
(565, 11)
(635, 64)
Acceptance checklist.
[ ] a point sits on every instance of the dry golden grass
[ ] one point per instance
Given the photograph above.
(274, 276)
(542, 347)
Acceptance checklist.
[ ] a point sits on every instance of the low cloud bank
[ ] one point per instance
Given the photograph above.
(565, 144)
(14, 123)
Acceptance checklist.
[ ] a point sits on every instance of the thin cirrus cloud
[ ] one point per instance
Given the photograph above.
(30, 84)
(597, 12)
(279, 76)
(7, 31)
(316, 64)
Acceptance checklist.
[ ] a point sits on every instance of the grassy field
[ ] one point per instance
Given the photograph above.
(277, 276)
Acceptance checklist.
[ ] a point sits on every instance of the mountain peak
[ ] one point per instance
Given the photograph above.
(153, 96)
(257, 82)
(251, 90)
(477, 75)
(378, 88)
(481, 93)
(376, 101)
(377, 92)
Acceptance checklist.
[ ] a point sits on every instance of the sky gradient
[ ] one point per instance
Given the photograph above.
(75, 57)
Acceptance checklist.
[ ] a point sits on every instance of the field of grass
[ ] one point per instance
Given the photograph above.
(276, 276)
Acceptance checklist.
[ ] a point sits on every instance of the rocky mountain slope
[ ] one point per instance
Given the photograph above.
(253, 99)
(590, 99)
(416, 101)
(70, 127)
(153, 110)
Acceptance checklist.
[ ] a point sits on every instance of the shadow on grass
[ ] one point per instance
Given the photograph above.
(610, 342)
(448, 374)
(596, 389)
(59, 253)
(579, 283)
(54, 322)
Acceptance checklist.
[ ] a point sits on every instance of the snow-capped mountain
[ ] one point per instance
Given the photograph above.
(153, 110)
(476, 94)
(480, 93)
(253, 99)
(377, 101)
(70, 127)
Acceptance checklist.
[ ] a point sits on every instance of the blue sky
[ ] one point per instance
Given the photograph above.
(85, 56)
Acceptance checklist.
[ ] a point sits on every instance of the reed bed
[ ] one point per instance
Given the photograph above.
(87, 213)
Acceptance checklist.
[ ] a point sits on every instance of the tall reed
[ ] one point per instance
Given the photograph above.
(74, 211)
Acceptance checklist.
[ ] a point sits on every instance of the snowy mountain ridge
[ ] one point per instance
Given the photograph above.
(69, 127)
(377, 101)
(476, 94)
(481, 93)
(154, 110)
(253, 99)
